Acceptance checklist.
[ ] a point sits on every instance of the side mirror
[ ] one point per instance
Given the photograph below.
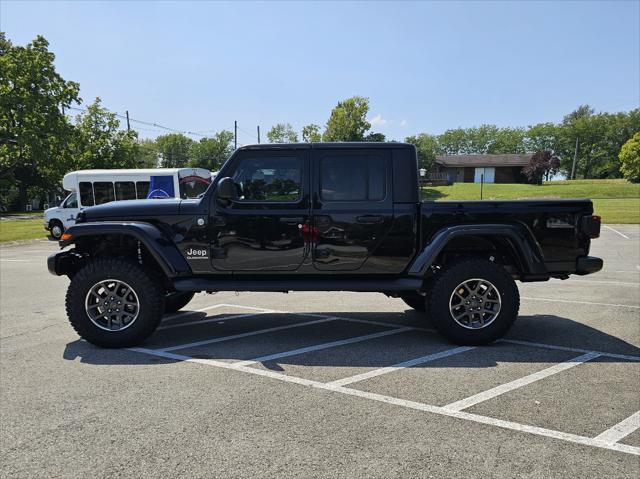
(227, 189)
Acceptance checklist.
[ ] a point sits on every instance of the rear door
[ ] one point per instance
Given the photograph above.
(352, 208)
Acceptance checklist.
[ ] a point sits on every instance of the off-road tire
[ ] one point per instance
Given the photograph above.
(54, 223)
(175, 301)
(150, 295)
(443, 288)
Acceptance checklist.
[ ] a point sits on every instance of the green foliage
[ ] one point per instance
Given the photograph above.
(211, 153)
(427, 147)
(99, 143)
(311, 133)
(282, 133)
(34, 132)
(348, 120)
(630, 158)
(375, 137)
(173, 150)
(147, 156)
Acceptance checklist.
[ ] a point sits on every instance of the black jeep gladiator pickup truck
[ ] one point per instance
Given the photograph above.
(319, 217)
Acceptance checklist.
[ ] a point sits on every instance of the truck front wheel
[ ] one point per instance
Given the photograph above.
(473, 302)
(114, 303)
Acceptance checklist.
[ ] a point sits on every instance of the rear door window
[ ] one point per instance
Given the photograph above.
(352, 178)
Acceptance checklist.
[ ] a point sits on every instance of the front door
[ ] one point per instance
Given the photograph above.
(263, 229)
(352, 207)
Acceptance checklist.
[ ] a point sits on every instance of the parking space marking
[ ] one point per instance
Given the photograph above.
(210, 320)
(520, 382)
(532, 344)
(580, 302)
(539, 431)
(318, 347)
(247, 334)
(616, 231)
(3, 260)
(397, 367)
(619, 283)
(620, 430)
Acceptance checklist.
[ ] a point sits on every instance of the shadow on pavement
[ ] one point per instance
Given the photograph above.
(374, 353)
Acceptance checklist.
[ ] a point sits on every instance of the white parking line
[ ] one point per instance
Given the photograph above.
(616, 231)
(396, 367)
(401, 402)
(518, 383)
(247, 334)
(620, 430)
(553, 300)
(318, 347)
(218, 319)
(619, 283)
(2, 260)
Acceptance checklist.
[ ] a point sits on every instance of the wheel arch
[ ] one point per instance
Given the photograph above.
(87, 237)
(512, 241)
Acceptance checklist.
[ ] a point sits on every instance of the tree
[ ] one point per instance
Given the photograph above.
(379, 137)
(630, 158)
(542, 136)
(427, 147)
(34, 132)
(541, 164)
(282, 133)
(147, 156)
(454, 142)
(174, 150)
(348, 120)
(311, 133)
(211, 153)
(99, 143)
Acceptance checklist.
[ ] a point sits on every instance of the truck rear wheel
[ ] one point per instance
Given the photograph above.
(177, 300)
(473, 302)
(114, 303)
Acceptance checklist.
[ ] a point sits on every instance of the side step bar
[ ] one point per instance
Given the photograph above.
(296, 284)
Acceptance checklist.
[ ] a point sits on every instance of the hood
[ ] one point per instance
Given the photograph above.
(132, 209)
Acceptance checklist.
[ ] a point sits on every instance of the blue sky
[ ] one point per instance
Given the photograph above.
(426, 66)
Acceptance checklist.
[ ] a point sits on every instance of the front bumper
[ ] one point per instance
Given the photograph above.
(588, 265)
(63, 263)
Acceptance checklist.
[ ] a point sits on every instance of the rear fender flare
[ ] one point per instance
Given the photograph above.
(163, 250)
(526, 247)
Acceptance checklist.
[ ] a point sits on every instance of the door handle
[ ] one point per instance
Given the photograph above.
(292, 220)
(369, 219)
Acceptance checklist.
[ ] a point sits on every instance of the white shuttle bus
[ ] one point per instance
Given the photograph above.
(95, 187)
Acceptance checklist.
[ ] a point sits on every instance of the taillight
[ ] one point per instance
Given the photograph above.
(591, 226)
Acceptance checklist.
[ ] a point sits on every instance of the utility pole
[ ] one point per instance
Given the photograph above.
(128, 124)
(573, 167)
(258, 134)
(235, 135)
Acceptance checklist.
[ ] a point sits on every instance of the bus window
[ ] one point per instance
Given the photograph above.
(192, 186)
(103, 191)
(142, 188)
(125, 190)
(86, 193)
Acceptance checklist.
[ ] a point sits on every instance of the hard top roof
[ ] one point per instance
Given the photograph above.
(333, 145)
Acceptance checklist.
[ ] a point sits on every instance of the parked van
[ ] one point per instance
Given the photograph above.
(95, 187)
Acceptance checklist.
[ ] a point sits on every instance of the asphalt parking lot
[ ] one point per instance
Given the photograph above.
(325, 384)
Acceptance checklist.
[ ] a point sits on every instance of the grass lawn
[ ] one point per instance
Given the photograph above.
(14, 230)
(617, 201)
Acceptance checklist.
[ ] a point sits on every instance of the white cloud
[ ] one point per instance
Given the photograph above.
(377, 120)
(404, 123)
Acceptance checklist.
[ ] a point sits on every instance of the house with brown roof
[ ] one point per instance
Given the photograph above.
(477, 168)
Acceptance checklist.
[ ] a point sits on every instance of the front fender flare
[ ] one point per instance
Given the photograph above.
(526, 247)
(163, 250)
